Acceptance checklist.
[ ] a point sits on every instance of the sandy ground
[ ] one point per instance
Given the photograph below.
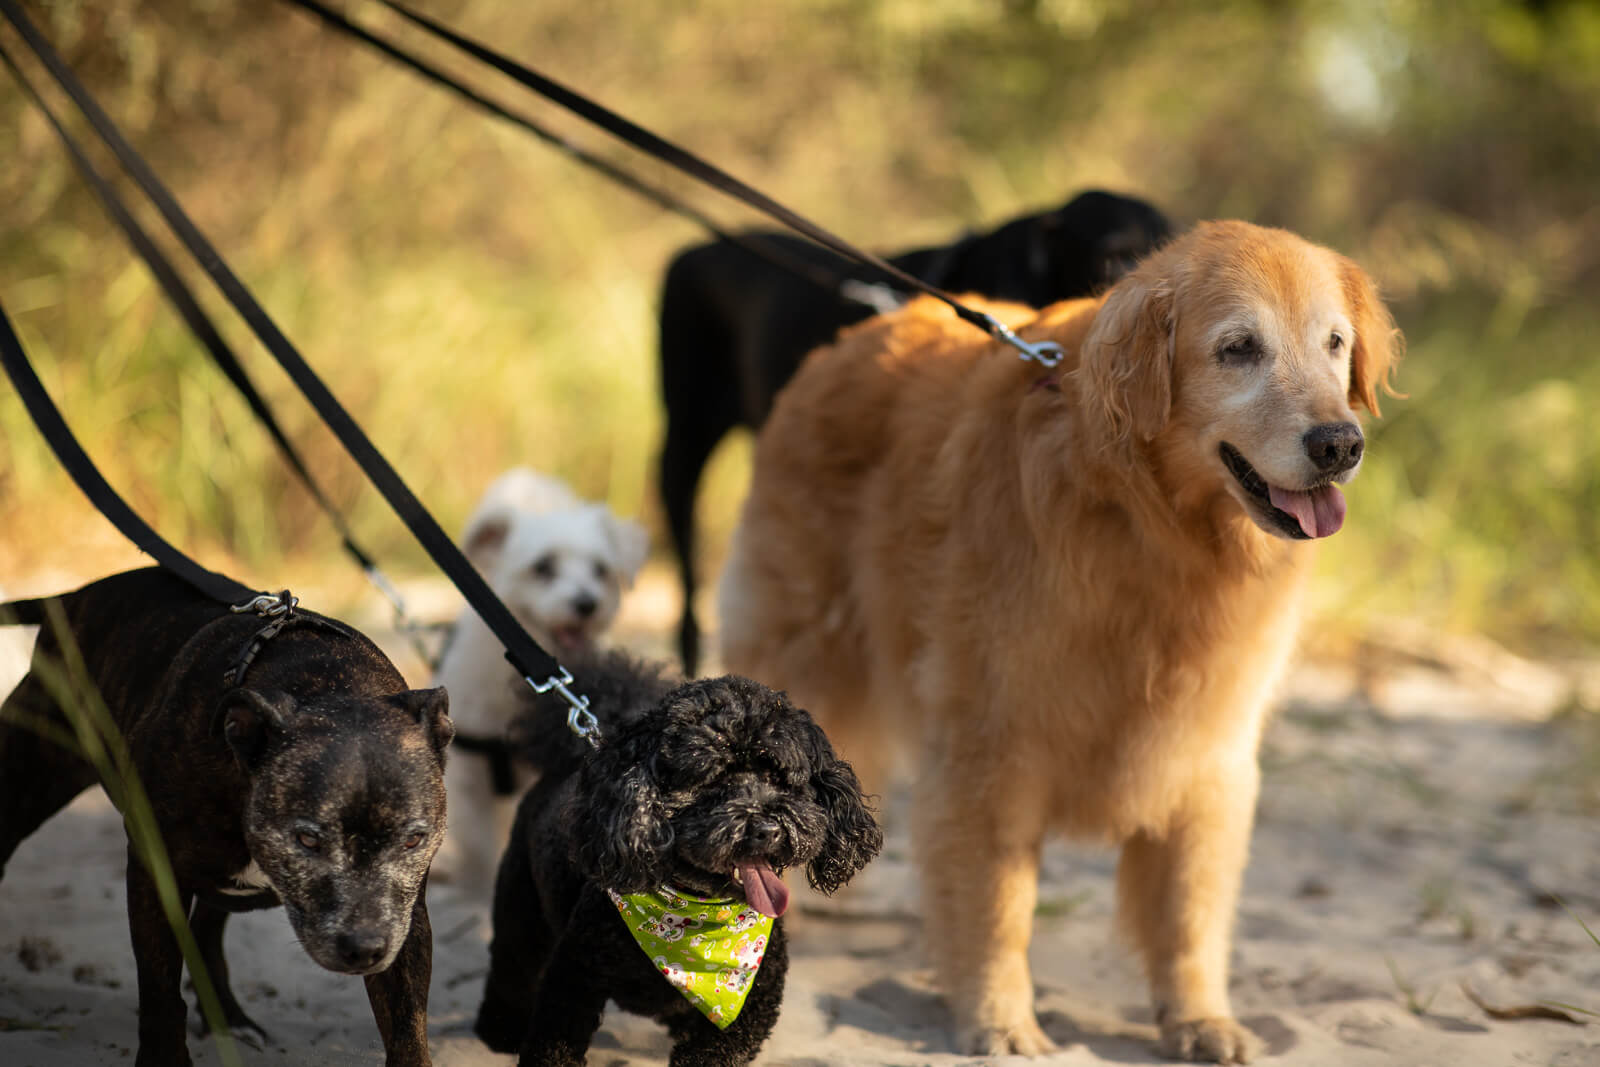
(1424, 809)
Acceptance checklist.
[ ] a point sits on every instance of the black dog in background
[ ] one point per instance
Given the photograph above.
(711, 788)
(735, 324)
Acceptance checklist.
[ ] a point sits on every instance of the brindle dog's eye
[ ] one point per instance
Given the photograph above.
(545, 567)
(413, 841)
(308, 841)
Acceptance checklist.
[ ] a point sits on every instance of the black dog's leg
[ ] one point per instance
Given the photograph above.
(516, 954)
(208, 923)
(689, 443)
(567, 1004)
(399, 995)
(698, 1043)
(159, 964)
(40, 777)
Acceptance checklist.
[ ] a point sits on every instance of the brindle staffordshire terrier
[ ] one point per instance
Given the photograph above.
(306, 775)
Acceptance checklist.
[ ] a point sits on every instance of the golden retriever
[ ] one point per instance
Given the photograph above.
(1070, 593)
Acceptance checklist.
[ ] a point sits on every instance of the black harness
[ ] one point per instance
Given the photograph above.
(497, 750)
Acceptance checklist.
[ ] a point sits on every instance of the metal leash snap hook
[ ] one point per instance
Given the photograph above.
(1045, 353)
(267, 605)
(580, 720)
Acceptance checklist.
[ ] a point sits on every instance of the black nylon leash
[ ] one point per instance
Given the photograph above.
(531, 661)
(45, 415)
(204, 330)
(1047, 353)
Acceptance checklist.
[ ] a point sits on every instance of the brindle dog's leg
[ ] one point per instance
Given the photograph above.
(159, 963)
(40, 776)
(208, 923)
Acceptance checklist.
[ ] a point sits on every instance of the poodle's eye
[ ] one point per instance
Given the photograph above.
(1336, 344)
(601, 571)
(1240, 351)
(544, 567)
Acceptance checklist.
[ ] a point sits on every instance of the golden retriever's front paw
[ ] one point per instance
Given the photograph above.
(1219, 1040)
(1023, 1038)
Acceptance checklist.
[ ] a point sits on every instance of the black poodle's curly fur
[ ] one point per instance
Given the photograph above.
(691, 781)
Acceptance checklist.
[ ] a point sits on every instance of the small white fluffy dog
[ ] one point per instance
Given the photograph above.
(560, 564)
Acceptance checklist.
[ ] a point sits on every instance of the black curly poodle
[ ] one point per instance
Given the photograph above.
(710, 788)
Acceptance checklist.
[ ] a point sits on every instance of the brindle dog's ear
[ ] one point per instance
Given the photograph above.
(432, 709)
(251, 720)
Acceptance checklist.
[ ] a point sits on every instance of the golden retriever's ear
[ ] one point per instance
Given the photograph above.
(1128, 356)
(1378, 342)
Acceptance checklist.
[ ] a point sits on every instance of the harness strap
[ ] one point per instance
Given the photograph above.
(525, 655)
(497, 750)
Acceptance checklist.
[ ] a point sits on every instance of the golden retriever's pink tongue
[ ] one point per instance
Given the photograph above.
(1319, 511)
(763, 889)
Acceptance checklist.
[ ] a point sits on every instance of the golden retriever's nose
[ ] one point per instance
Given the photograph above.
(1334, 447)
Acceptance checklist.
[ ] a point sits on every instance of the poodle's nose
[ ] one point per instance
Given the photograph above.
(766, 836)
(585, 605)
(1334, 447)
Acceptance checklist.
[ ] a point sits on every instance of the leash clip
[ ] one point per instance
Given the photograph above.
(267, 605)
(580, 720)
(278, 611)
(1045, 353)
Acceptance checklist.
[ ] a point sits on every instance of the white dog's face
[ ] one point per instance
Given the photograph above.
(562, 572)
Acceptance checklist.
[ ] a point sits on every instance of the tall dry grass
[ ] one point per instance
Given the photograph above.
(478, 300)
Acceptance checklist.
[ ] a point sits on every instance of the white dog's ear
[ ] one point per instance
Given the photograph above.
(630, 545)
(486, 535)
(1128, 358)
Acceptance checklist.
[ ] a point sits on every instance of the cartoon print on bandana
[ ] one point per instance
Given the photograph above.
(716, 966)
(670, 927)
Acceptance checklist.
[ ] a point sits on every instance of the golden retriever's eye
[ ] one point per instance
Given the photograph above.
(1336, 344)
(544, 567)
(1240, 351)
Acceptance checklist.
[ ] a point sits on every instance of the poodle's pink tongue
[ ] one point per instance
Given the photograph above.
(763, 889)
(1319, 511)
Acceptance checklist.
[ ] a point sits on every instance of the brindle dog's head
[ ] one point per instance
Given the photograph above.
(345, 811)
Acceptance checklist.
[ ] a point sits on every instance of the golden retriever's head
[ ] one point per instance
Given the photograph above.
(1237, 354)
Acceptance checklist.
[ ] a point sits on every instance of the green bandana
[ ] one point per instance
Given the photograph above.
(708, 949)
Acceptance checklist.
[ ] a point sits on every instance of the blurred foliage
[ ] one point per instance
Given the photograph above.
(478, 300)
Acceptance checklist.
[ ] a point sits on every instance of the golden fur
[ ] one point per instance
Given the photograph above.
(1051, 589)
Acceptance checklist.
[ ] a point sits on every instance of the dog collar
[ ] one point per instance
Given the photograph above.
(709, 950)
